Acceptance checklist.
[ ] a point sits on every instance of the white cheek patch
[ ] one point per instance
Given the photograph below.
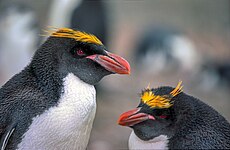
(67, 125)
(160, 142)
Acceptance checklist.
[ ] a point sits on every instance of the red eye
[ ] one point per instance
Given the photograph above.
(163, 116)
(80, 52)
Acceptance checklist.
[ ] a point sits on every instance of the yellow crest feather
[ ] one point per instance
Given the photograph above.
(160, 101)
(74, 34)
(177, 90)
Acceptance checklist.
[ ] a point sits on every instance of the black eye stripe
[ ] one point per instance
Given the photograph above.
(88, 49)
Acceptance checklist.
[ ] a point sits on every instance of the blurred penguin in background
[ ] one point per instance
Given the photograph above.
(86, 15)
(161, 49)
(213, 75)
(18, 39)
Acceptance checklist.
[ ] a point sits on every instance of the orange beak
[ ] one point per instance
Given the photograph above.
(112, 63)
(133, 117)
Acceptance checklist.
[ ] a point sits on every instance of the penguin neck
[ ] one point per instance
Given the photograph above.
(44, 68)
(159, 142)
(186, 115)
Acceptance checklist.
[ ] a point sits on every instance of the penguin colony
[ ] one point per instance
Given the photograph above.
(167, 118)
(51, 104)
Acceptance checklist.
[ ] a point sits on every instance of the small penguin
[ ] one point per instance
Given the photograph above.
(51, 104)
(167, 118)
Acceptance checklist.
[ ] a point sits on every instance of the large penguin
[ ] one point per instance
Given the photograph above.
(51, 103)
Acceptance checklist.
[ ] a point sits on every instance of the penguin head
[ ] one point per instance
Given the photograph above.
(84, 55)
(154, 115)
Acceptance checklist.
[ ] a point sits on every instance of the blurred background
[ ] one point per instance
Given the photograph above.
(165, 41)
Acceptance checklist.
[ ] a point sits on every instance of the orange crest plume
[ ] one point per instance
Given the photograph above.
(160, 101)
(73, 34)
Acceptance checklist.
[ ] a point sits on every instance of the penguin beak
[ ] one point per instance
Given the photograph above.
(112, 63)
(132, 117)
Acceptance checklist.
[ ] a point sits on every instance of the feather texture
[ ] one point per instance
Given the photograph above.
(160, 101)
(74, 34)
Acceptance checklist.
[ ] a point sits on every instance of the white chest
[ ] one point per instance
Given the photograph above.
(66, 126)
(160, 142)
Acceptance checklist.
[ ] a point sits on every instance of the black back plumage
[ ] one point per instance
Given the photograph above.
(198, 126)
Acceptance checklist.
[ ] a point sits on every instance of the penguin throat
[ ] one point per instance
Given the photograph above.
(159, 142)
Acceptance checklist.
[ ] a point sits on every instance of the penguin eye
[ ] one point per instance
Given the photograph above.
(80, 52)
(163, 116)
